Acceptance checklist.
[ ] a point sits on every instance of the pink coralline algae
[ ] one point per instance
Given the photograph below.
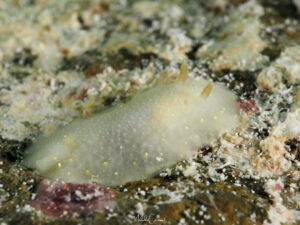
(59, 199)
(248, 105)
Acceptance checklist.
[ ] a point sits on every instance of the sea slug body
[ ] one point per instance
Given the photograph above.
(157, 128)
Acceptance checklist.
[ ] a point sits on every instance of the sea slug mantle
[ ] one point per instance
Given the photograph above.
(157, 128)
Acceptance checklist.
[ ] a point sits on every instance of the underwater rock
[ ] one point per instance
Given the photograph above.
(59, 199)
(278, 212)
(285, 70)
(237, 45)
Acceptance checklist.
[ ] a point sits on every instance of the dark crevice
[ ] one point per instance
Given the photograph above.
(243, 82)
(258, 187)
(294, 147)
(94, 61)
(285, 8)
(24, 58)
(192, 54)
(13, 150)
(273, 53)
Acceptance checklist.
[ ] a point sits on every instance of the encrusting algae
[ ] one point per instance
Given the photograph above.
(157, 128)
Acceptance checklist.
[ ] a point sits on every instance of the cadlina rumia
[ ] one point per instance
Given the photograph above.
(127, 142)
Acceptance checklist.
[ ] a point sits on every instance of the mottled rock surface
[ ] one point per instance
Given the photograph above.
(61, 60)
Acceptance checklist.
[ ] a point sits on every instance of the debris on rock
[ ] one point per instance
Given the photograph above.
(57, 199)
(285, 70)
(238, 45)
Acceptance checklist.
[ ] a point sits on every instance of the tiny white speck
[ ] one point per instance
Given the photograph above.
(159, 159)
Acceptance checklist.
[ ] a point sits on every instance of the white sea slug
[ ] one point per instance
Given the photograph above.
(128, 142)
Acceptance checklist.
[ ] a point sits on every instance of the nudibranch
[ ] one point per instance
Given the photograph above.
(127, 142)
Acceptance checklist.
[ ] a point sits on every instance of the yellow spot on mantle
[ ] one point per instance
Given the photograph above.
(201, 120)
(116, 173)
(105, 163)
(222, 110)
(146, 154)
(134, 163)
(215, 117)
(172, 105)
(162, 139)
(186, 127)
(69, 173)
(87, 172)
(70, 142)
(54, 158)
(161, 154)
(94, 176)
(70, 160)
